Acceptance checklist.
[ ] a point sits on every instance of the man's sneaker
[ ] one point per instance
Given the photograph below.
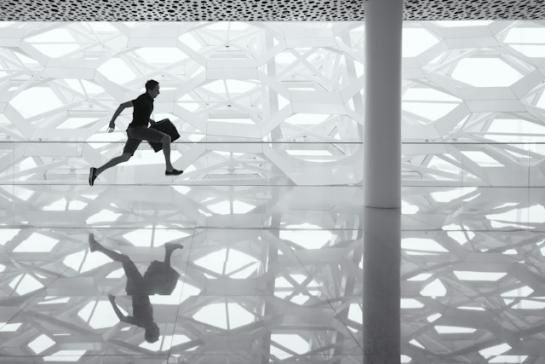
(92, 175)
(174, 172)
(173, 246)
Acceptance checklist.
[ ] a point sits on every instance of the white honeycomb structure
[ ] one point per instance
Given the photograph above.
(270, 205)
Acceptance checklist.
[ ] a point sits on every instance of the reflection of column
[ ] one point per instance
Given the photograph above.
(381, 286)
(382, 165)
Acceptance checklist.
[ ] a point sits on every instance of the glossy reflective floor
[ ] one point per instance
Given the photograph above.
(263, 285)
(254, 286)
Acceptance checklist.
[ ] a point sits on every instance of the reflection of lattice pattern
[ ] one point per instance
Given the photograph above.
(472, 260)
(472, 127)
(242, 311)
(472, 275)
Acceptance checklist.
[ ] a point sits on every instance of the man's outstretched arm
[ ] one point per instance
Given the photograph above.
(118, 312)
(121, 107)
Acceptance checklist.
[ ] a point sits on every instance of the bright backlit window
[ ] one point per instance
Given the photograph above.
(485, 72)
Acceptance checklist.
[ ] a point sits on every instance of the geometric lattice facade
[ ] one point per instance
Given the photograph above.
(269, 116)
(473, 128)
(269, 207)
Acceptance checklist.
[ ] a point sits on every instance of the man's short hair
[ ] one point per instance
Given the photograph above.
(151, 84)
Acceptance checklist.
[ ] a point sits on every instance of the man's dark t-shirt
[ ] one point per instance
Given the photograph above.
(141, 309)
(142, 108)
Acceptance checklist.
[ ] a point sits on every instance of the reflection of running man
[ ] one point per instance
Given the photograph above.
(159, 278)
(137, 131)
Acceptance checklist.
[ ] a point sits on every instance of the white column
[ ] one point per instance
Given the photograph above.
(382, 182)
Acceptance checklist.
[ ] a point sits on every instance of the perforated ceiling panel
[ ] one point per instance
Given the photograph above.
(256, 10)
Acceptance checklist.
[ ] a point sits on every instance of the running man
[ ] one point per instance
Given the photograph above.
(137, 131)
(159, 278)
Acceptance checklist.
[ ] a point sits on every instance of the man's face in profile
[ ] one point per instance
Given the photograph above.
(154, 91)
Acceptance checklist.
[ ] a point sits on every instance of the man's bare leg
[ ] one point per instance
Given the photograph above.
(96, 246)
(170, 170)
(95, 172)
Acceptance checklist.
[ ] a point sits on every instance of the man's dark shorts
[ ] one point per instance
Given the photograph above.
(136, 135)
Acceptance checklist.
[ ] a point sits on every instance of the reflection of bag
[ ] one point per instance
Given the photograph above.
(166, 127)
(161, 278)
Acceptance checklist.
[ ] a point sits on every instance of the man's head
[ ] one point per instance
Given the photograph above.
(152, 88)
(152, 332)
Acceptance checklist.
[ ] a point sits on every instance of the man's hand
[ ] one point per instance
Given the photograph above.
(121, 107)
(117, 311)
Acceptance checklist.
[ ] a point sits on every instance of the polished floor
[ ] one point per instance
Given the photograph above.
(274, 278)
(282, 281)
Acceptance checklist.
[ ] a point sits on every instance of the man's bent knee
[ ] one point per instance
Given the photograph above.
(126, 156)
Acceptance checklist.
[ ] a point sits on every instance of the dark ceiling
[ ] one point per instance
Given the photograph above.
(256, 10)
